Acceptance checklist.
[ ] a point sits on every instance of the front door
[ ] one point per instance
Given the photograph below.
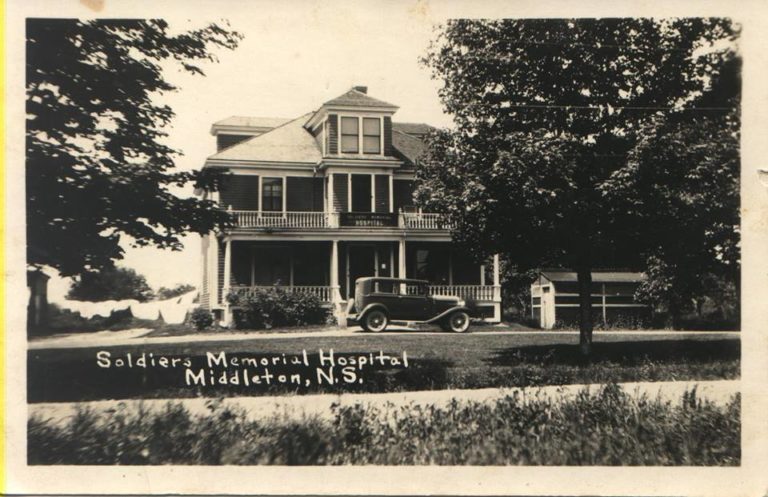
(362, 263)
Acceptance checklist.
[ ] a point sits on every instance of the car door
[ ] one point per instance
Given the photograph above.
(413, 304)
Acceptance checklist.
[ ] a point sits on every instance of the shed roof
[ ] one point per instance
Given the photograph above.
(597, 276)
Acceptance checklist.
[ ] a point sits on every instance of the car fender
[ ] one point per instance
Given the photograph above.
(369, 308)
(448, 313)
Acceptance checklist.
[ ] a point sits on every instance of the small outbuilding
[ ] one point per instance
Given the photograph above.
(555, 298)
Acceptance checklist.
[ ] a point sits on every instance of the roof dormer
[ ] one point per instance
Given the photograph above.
(354, 125)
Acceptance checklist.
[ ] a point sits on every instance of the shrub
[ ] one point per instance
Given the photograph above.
(274, 307)
(608, 427)
(201, 318)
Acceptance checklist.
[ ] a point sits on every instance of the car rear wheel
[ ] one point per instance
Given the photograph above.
(375, 321)
(458, 322)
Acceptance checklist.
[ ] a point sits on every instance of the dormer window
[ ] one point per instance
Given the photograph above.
(350, 130)
(355, 135)
(371, 135)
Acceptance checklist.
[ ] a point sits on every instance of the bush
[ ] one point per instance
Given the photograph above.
(274, 307)
(201, 318)
(608, 427)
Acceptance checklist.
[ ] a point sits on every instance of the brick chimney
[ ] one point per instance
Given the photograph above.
(361, 89)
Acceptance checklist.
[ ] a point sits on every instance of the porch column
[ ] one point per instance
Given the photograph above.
(227, 280)
(335, 289)
(401, 259)
(496, 289)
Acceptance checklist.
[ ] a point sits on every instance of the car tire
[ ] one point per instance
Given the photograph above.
(458, 322)
(375, 321)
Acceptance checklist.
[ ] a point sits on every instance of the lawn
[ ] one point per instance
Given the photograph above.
(435, 361)
(608, 427)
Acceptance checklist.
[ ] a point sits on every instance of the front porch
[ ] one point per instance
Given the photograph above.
(328, 269)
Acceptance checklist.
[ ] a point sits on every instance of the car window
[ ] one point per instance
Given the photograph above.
(416, 290)
(385, 287)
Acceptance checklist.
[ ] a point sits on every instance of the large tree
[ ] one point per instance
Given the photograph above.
(546, 112)
(114, 283)
(97, 166)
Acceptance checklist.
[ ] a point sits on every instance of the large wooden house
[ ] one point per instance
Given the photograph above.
(325, 198)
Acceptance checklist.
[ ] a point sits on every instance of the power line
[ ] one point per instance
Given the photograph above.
(610, 108)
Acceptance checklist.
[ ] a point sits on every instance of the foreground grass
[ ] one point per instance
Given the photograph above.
(605, 428)
(436, 361)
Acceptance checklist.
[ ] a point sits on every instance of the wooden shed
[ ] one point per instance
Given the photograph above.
(555, 298)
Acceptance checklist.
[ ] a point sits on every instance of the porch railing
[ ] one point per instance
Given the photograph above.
(322, 292)
(473, 292)
(261, 219)
(423, 221)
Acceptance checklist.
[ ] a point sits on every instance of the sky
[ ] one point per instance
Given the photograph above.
(292, 59)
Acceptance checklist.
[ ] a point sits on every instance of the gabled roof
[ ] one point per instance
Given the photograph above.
(289, 142)
(597, 276)
(355, 98)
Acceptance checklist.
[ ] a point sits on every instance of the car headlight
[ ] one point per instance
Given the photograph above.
(461, 303)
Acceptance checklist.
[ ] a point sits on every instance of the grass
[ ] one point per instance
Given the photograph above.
(604, 428)
(436, 361)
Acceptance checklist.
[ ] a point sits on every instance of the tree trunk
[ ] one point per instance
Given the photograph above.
(584, 275)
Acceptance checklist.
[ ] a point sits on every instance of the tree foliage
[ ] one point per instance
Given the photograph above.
(97, 168)
(164, 293)
(114, 283)
(547, 113)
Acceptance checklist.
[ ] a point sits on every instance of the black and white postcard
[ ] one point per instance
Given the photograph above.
(408, 247)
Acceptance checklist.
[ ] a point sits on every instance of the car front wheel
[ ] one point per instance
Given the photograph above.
(458, 322)
(375, 321)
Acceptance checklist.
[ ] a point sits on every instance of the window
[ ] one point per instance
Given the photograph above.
(272, 194)
(349, 135)
(371, 135)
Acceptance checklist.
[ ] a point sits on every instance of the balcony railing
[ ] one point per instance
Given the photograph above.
(257, 219)
(423, 221)
(322, 292)
(322, 220)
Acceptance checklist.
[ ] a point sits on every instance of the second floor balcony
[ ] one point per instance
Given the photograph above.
(271, 220)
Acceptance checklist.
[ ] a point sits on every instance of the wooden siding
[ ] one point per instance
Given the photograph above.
(333, 134)
(220, 271)
(304, 194)
(340, 192)
(382, 193)
(388, 151)
(402, 193)
(240, 192)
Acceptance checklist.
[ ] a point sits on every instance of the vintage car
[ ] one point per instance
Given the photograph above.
(381, 301)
